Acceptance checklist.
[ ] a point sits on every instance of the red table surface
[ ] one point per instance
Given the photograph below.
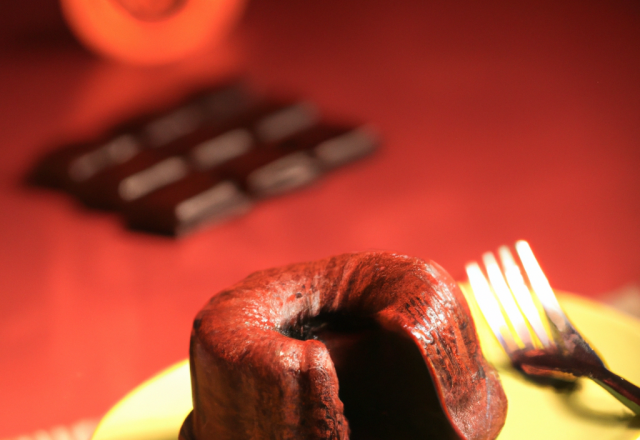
(500, 121)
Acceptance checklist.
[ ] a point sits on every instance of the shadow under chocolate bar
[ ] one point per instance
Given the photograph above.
(227, 190)
(205, 148)
(69, 167)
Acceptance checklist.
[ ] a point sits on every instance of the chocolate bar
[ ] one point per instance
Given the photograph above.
(207, 159)
(67, 168)
(206, 197)
(206, 147)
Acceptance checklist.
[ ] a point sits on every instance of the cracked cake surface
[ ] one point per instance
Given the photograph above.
(370, 345)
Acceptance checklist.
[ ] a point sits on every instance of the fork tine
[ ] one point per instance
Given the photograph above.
(523, 295)
(572, 356)
(505, 298)
(490, 308)
(541, 285)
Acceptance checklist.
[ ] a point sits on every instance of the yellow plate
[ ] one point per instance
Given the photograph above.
(155, 410)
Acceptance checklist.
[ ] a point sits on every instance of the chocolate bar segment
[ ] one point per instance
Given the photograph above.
(113, 152)
(346, 147)
(299, 159)
(271, 171)
(209, 107)
(205, 197)
(160, 174)
(180, 208)
(202, 149)
(283, 174)
(69, 167)
(285, 122)
(171, 126)
(334, 144)
(213, 152)
(140, 175)
(269, 123)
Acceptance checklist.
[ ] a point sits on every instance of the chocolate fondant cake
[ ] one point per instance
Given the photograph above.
(359, 346)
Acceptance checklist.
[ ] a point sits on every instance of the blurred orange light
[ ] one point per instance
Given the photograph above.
(147, 32)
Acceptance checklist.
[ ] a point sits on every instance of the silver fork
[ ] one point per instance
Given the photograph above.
(540, 346)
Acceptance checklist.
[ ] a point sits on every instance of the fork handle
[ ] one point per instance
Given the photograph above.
(620, 388)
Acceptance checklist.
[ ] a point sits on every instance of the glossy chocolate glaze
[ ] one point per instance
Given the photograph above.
(363, 346)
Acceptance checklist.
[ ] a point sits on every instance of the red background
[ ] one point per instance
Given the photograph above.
(501, 121)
